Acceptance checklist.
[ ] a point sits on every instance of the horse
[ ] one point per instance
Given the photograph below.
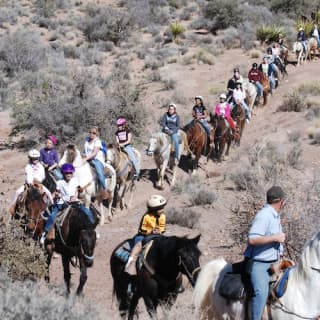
(75, 236)
(281, 66)
(222, 136)
(49, 182)
(197, 141)
(300, 300)
(160, 147)
(238, 115)
(312, 48)
(251, 93)
(89, 187)
(266, 88)
(159, 276)
(124, 173)
(299, 51)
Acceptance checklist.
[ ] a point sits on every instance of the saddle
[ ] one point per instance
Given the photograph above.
(236, 284)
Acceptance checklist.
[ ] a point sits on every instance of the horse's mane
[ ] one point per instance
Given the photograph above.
(34, 193)
(310, 256)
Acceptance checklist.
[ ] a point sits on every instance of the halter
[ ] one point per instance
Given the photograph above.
(190, 275)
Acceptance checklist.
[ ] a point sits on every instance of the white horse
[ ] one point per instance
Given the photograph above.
(124, 173)
(88, 182)
(251, 92)
(299, 51)
(300, 300)
(160, 147)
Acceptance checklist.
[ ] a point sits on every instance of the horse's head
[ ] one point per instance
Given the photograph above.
(153, 145)
(189, 255)
(111, 154)
(35, 204)
(71, 153)
(87, 241)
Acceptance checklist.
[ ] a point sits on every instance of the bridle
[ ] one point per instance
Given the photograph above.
(190, 274)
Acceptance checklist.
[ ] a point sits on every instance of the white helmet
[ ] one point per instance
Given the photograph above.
(173, 105)
(34, 153)
(223, 96)
(199, 97)
(156, 202)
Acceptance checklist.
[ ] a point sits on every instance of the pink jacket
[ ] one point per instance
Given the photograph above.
(223, 109)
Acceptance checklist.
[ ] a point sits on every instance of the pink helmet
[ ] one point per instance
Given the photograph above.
(121, 121)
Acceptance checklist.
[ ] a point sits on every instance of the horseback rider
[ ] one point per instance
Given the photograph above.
(170, 125)
(271, 60)
(152, 224)
(49, 157)
(66, 193)
(264, 248)
(76, 158)
(223, 109)
(199, 113)
(266, 69)
(34, 173)
(315, 33)
(94, 155)
(232, 82)
(124, 138)
(301, 37)
(255, 76)
(239, 96)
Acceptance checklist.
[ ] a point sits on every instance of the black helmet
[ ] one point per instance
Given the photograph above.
(269, 50)
(236, 70)
(254, 65)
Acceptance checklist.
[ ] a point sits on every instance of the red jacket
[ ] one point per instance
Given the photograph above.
(255, 75)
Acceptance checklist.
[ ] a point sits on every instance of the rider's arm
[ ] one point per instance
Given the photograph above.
(92, 154)
(29, 174)
(145, 225)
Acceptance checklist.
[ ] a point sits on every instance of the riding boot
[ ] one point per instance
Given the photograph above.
(130, 267)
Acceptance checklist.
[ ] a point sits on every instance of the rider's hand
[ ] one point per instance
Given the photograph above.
(280, 237)
(156, 231)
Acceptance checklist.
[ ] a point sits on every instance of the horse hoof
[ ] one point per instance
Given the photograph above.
(108, 220)
(225, 158)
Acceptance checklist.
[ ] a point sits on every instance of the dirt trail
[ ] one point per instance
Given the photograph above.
(196, 79)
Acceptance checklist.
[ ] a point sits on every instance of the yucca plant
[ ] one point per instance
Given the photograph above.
(176, 29)
(307, 26)
(269, 32)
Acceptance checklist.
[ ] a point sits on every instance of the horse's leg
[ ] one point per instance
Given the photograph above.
(174, 172)
(133, 305)
(83, 276)
(49, 249)
(66, 271)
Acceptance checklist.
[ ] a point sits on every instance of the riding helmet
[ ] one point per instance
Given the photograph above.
(269, 50)
(173, 105)
(236, 70)
(121, 121)
(156, 202)
(223, 96)
(34, 154)
(67, 168)
(255, 65)
(198, 97)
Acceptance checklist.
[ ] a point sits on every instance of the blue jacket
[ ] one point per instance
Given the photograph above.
(171, 121)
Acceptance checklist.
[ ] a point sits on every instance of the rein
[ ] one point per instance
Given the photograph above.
(189, 274)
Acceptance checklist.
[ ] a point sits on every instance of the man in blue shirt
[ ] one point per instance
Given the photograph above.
(264, 248)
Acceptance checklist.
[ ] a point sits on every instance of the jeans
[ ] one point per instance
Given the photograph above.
(274, 68)
(132, 156)
(57, 174)
(272, 82)
(52, 218)
(175, 139)
(260, 285)
(246, 109)
(87, 212)
(100, 172)
(206, 126)
(259, 87)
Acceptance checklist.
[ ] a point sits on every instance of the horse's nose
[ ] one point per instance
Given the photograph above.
(88, 263)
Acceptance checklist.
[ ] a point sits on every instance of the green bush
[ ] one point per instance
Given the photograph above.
(269, 33)
(176, 29)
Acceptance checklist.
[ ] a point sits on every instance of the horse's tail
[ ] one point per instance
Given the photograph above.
(203, 289)
(184, 139)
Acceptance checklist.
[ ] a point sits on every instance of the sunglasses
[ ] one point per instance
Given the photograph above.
(92, 132)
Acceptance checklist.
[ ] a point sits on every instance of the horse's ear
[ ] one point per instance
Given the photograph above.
(197, 238)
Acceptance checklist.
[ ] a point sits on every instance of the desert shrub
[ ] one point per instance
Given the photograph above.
(244, 179)
(269, 33)
(22, 51)
(201, 197)
(177, 4)
(203, 56)
(190, 183)
(294, 136)
(153, 62)
(155, 76)
(223, 14)
(44, 22)
(176, 29)
(71, 52)
(90, 56)
(316, 137)
(292, 102)
(68, 104)
(8, 15)
(313, 112)
(106, 24)
(20, 255)
(183, 217)
(292, 8)
(295, 156)
(47, 8)
(309, 89)
(187, 12)
(30, 300)
(169, 83)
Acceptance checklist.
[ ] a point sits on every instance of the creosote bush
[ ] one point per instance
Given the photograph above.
(292, 102)
(183, 217)
(201, 197)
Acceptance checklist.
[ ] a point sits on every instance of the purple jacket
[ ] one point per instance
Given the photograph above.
(49, 156)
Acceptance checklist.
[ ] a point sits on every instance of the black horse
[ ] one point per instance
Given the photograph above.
(159, 276)
(50, 181)
(75, 236)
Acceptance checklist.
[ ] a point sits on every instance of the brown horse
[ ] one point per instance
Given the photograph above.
(239, 117)
(197, 140)
(284, 56)
(266, 88)
(222, 137)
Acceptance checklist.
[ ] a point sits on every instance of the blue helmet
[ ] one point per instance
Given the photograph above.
(67, 168)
